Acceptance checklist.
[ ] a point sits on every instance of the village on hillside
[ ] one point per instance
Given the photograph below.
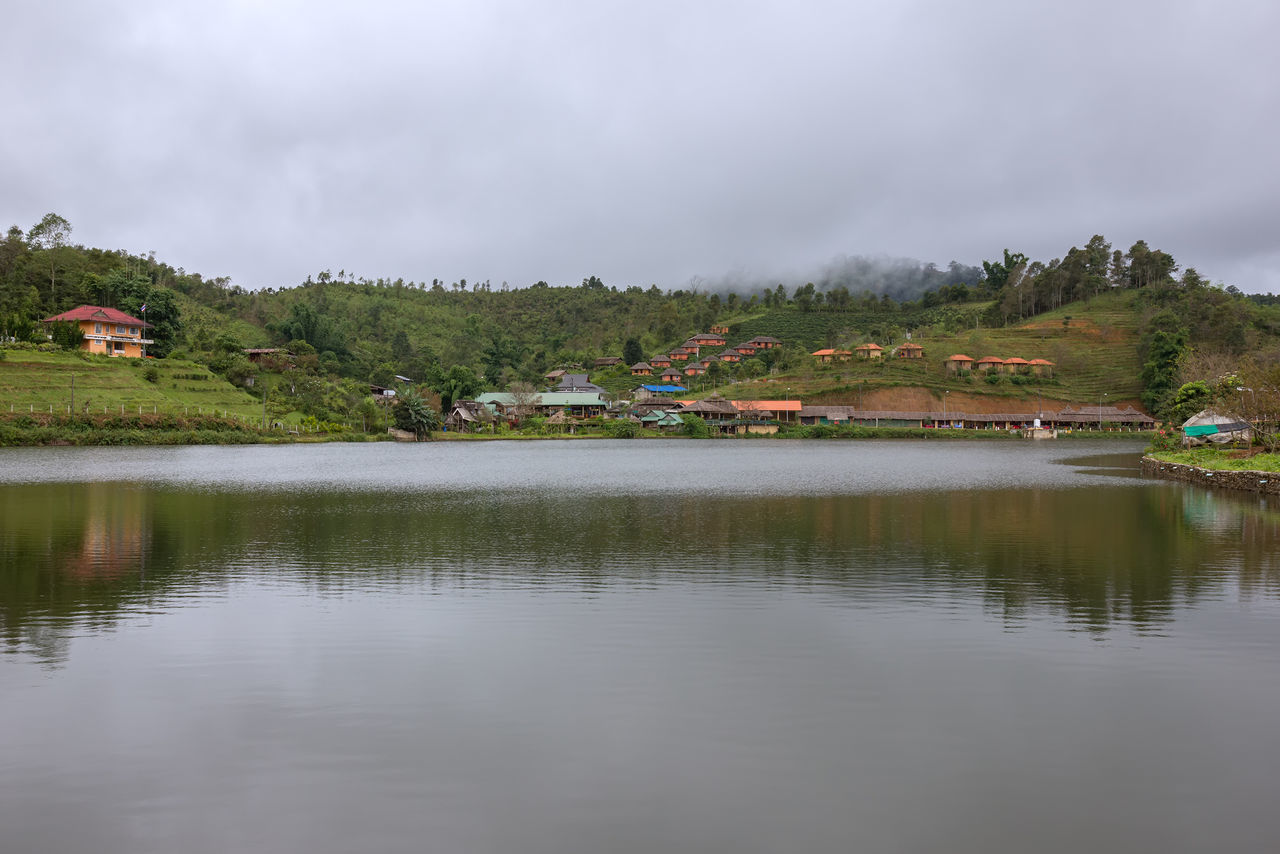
(665, 404)
(661, 399)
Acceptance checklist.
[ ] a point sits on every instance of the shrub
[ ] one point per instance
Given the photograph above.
(151, 374)
(1165, 439)
(695, 427)
(621, 428)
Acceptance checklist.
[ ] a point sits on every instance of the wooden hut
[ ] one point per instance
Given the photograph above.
(1042, 367)
(1016, 365)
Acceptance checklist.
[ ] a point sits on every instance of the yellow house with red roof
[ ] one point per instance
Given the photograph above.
(108, 331)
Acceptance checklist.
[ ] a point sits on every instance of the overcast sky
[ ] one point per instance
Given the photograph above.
(642, 142)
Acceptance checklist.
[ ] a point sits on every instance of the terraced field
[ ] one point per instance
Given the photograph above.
(36, 381)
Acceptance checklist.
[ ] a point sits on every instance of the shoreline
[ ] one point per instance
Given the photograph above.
(1241, 480)
(96, 431)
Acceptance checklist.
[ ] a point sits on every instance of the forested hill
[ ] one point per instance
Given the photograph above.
(482, 336)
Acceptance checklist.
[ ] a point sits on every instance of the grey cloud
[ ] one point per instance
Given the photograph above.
(644, 144)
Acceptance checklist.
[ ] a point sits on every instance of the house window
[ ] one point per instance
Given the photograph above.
(119, 346)
(97, 329)
(119, 330)
(133, 330)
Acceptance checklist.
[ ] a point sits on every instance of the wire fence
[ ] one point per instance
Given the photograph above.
(297, 425)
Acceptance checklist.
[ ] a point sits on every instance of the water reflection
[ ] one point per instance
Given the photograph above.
(79, 557)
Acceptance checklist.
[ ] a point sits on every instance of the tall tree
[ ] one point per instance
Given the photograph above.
(632, 352)
(50, 235)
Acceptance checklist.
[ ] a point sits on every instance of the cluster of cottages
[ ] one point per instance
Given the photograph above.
(958, 363)
(661, 405)
(961, 364)
(107, 331)
(867, 352)
(576, 398)
(687, 361)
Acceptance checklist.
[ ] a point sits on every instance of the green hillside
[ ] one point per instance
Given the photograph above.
(32, 381)
(1119, 325)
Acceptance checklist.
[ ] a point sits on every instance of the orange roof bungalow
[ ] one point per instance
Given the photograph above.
(680, 354)
(1042, 367)
(747, 348)
(108, 331)
(662, 360)
(910, 350)
(730, 356)
(828, 355)
(697, 369)
(870, 350)
(959, 363)
(708, 339)
(988, 363)
(1016, 365)
(719, 330)
(672, 376)
(642, 369)
(764, 342)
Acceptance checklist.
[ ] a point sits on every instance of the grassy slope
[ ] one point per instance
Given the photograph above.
(36, 381)
(1220, 459)
(1096, 353)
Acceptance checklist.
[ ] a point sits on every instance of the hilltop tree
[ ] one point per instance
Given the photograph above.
(998, 271)
(50, 235)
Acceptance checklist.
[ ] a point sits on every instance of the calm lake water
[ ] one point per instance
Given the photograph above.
(737, 646)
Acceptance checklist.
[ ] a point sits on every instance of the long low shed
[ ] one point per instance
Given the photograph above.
(1069, 417)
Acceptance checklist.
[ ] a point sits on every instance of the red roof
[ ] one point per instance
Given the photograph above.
(959, 357)
(871, 346)
(1040, 362)
(991, 360)
(1016, 361)
(98, 313)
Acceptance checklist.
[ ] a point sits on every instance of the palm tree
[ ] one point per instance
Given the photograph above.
(414, 414)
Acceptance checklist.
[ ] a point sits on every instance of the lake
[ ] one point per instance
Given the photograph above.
(611, 646)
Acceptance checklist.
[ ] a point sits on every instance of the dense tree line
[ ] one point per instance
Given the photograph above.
(1188, 327)
(458, 338)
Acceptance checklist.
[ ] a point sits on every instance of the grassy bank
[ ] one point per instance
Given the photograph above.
(36, 429)
(1219, 459)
